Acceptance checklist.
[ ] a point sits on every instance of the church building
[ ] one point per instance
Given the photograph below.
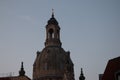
(53, 62)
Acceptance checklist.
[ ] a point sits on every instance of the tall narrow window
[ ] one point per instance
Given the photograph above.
(46, 66)
(51, 33)
(61, 66)
(117, 75)
(57, 34)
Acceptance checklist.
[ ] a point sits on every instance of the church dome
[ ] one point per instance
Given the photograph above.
(53, 61)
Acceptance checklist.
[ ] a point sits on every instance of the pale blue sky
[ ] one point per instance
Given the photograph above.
(90, 30)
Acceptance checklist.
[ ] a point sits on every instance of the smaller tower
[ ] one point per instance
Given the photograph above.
(22, 72)
(82, 77)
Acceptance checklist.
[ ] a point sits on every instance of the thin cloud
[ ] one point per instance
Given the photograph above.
(27, 18)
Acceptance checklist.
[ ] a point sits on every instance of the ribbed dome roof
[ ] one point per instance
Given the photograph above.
(52, 61)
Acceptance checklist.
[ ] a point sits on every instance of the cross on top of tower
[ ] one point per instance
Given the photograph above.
(52, 20)
(52, 13)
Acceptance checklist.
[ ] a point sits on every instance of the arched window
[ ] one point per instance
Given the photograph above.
(51, 33)
(57, 34)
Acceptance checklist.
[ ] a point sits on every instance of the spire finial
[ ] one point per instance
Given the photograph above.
(52, 13)
(81, 71)
(21, 64)
(81, 75)
(22, 72)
